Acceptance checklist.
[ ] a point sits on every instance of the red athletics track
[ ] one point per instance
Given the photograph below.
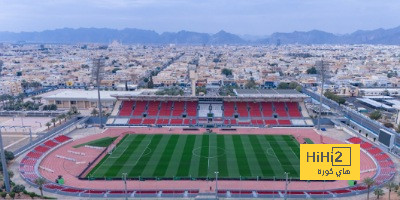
(70, 170)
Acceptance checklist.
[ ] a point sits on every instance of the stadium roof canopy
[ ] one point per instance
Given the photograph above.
(264, 92)
(255, 95)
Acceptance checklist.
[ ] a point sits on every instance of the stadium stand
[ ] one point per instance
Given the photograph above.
(229, 109)
(267, 109)
(242, 109)
(293, 109)
(209, 112)
(280, 109)
(179, 108)
(140, 106)
(255, 109)
(126, 108)
(153, 108)
(191, 108)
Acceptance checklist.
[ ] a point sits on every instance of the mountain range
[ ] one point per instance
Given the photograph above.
(139, 36)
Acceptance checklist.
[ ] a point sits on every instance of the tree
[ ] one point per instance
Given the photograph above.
(378, 193)
(69, 114)
(226, 72)
(375, 115)
(390, 186)
(150, 84)
(32, 195)
(10, 174)
(338, 99)
(74, 110)
(12, 195)
(368, 182)
(299, 88)
(172, 91)
(94, 112)
(59, 118)
(388, 125)
(312, 70)
(50, 107)
(40, 182)
(48, 124)
(251, 83)
(54, 120)
(283, 85)
(64, 116)
(18, 189)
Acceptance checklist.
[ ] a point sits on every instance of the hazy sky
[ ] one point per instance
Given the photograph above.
(255, 17)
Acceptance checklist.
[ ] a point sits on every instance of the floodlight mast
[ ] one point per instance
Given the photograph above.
(4, 164)
(98, 65)
(322, 72)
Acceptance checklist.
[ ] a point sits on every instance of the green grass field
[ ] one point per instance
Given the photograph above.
(199, 156)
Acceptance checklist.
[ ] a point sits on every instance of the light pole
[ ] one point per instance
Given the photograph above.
(322, 71)
(286, 184)
(126, 190)
(4, 164)
(97, 73)
(216, 183)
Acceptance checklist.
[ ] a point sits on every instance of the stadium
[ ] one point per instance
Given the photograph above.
(247, 146)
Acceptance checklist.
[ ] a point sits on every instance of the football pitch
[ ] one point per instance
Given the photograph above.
(163, 156)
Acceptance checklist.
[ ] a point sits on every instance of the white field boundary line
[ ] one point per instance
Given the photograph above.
(111, 157)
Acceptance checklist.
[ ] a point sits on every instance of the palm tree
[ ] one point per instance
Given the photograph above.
(63, 116)
(48, 124)
(54, 122)
(40, 182)
(390, 186)
(378, 192)
(94, 112)
(369, 182)
(69, 114)
(59, 118)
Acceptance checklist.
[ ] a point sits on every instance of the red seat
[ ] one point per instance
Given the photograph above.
(41, 149)
(153, 108)
(140, 107)
(191, 108)
(126, 108)
(271, 122)
(284, 122)
(242, 109)
(229, 109)
(355, 140)
(254, 109)
(135, 121)
(179, 108)
(149, 121)
(50, 143)
(293, 109)
(62, 138)
(267, 109)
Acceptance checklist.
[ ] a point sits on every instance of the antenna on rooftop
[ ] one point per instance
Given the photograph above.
(97, 75)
